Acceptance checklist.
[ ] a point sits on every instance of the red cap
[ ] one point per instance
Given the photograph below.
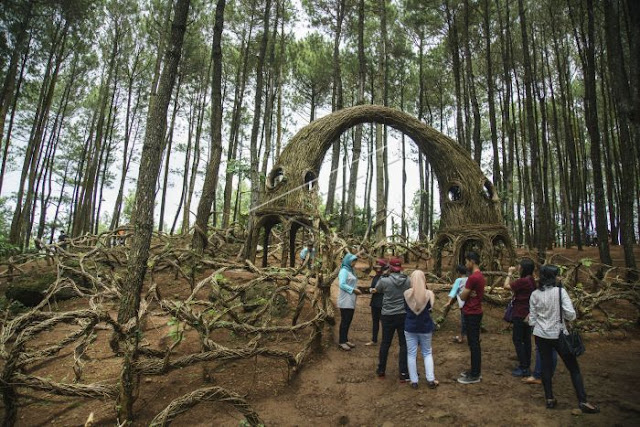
(395, 264)
(383, 263)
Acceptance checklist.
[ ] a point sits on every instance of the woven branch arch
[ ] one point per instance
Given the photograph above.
(469, 202)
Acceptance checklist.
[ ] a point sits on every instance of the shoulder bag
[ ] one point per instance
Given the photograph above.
(508, 313)
(571, 343)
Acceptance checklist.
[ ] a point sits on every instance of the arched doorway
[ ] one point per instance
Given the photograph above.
(469, 207)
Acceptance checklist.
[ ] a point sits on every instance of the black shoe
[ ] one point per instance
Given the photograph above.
(469, 379)
(380, 374)
(465, 374)
(414, 385)
(404, 378)
(588, 408)
(552, 403)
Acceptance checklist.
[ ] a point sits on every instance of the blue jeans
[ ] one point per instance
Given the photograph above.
(424, 340)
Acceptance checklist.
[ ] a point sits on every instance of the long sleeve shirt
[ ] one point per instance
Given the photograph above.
(544, 312)
(347, 282)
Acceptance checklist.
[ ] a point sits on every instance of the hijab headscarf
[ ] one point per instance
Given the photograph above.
(346, 262)
(416, 297)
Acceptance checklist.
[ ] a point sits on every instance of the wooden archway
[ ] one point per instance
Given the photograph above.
(469, 206)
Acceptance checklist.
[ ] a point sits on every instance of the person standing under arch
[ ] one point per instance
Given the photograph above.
(393, 317)
(472, 295)
(381, 268)
(418, 328)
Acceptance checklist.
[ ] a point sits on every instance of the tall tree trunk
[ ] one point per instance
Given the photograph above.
(524, 173)
(130, 117)
(279, 82)
(357, 140)
(200, 234)
(271, 95)
(337, 104)
(255, 129)
(586, 44)
(539, 211)
(168, 143)
(85, 208)
(454, 45)
(572, 170)
(540, 91)
(9, 93)
(381, 188)
(48, 168)
(240, 83)
(475, 107)
(609, 158)
(54, 222)
(7, 140)
(622, 98)
(508, 150)
(142, 216)
(497, 181)
(20, 226)
(193, 115)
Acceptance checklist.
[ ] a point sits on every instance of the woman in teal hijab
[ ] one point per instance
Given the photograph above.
(348, 283)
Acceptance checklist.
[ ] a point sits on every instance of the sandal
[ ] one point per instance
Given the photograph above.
(531, 380)
(588, 408)
(433, 384)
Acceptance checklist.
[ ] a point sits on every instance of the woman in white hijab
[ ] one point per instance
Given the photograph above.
(418, 327)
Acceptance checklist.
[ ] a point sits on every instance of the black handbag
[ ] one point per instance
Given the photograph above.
(508, 313)
(570, 343)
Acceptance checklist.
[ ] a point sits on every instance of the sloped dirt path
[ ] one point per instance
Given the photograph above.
(341, 388)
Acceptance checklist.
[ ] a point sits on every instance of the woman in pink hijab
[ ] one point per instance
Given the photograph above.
(418, 327)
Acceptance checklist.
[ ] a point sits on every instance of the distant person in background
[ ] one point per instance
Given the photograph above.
(308, 252)
(544, 316)
(418, 328)
(348, 284)
(472, 295)
(454, 298)
(62, 240)
(521, 335)
(381, 267)
(121, 237)
(393, 316)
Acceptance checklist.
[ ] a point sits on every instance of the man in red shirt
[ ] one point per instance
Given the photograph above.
(472, 311)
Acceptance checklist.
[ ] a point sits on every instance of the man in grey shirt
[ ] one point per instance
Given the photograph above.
(392, 319)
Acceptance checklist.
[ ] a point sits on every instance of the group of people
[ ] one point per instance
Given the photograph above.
(403, 304)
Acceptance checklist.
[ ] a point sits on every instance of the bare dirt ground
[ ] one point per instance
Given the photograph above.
(341, 388)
